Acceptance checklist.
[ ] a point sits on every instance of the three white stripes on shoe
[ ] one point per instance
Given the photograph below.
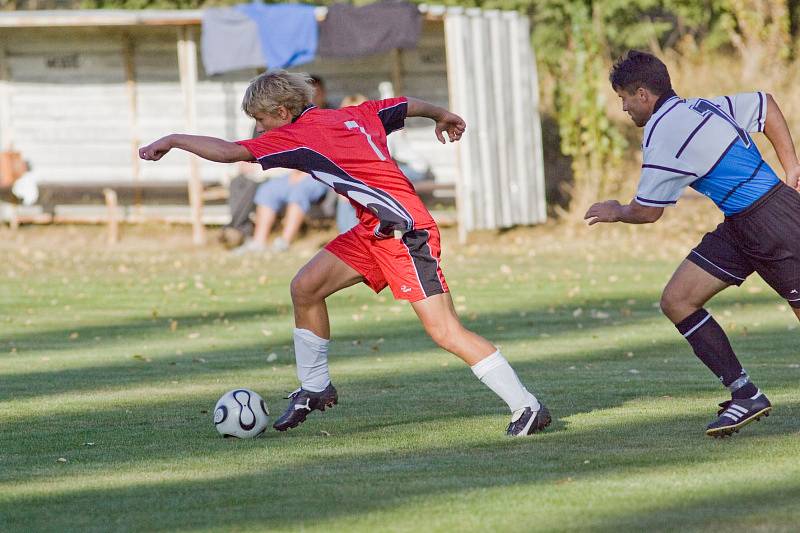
(735, 412)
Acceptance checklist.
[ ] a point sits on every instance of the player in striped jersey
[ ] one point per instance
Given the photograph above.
(705, 144)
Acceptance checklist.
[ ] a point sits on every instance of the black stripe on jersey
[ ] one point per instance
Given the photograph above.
(425, 264)
(760, 106)
(669, 169)
(383, 205)
(649, 135)
(736, 188)
(689, 138)
(730, 106)
(394, 117)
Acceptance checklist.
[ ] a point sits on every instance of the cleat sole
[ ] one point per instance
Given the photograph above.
(545, 421)
(725, 431)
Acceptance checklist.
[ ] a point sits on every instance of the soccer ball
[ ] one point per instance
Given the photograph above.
(241, 413)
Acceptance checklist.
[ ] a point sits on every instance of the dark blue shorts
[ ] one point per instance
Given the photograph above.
(764, 238)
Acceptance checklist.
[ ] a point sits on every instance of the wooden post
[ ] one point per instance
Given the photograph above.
(129, 60)
(187, 63)
(113, 219)
(397, 71)
(5, 103)
(13, 217)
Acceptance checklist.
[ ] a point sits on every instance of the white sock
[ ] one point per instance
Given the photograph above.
(311, 354)
(495, 372)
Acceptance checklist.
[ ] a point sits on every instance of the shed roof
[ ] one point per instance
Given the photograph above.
(146, 17)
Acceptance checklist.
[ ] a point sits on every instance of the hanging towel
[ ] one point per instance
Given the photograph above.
(230, 41)
(350, 31)
(288, 32)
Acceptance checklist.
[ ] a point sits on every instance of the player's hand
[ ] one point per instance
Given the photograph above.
(607, 211)
(452, 124)
(156, 150)
(793, 178)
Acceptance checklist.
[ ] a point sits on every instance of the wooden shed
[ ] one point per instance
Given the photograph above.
(81, 90)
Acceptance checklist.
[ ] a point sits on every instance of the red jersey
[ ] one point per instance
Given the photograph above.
(346, 149)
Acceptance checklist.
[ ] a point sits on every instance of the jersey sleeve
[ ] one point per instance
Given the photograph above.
(265, 145)
(749, 110)
(391, 112)
(663, 178)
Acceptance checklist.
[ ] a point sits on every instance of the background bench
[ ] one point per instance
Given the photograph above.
(116, 194)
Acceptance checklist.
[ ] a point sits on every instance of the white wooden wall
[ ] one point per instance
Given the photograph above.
(492, 72)
(67, 105)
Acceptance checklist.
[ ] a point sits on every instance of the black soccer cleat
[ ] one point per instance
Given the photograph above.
(302, 402)
(527, 421)
(735, 414)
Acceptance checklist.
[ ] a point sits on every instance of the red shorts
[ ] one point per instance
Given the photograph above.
(410, 266)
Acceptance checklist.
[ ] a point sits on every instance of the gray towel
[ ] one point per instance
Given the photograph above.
(230, 41)
(350, 31)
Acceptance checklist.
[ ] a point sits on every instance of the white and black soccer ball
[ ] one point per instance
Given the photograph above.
(241, 413)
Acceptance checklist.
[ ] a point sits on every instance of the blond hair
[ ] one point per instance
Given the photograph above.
(353, 99)
(270, 90)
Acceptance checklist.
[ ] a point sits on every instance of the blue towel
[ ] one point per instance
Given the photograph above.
(288, 32)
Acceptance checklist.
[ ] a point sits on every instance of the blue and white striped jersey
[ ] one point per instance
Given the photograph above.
(705, 144)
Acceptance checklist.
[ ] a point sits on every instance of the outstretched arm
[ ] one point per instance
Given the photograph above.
(612, 211)
(210, 148)
(777, 131)
(445, 120)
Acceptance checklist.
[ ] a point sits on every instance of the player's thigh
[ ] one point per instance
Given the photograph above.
(322, 276)
(770, 237)
(436, 312)
(690, 287)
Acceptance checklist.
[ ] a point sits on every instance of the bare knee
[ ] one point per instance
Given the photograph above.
(445, 332)
(304, 290)
(677, 306)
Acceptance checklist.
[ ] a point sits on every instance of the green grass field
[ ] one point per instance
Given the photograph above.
(111, 360)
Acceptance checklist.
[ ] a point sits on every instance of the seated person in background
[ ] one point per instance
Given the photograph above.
(296, 192)
(242, 190)
(320, 98)
(20, 186)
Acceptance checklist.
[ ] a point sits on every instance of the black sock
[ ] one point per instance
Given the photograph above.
(712, 347)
